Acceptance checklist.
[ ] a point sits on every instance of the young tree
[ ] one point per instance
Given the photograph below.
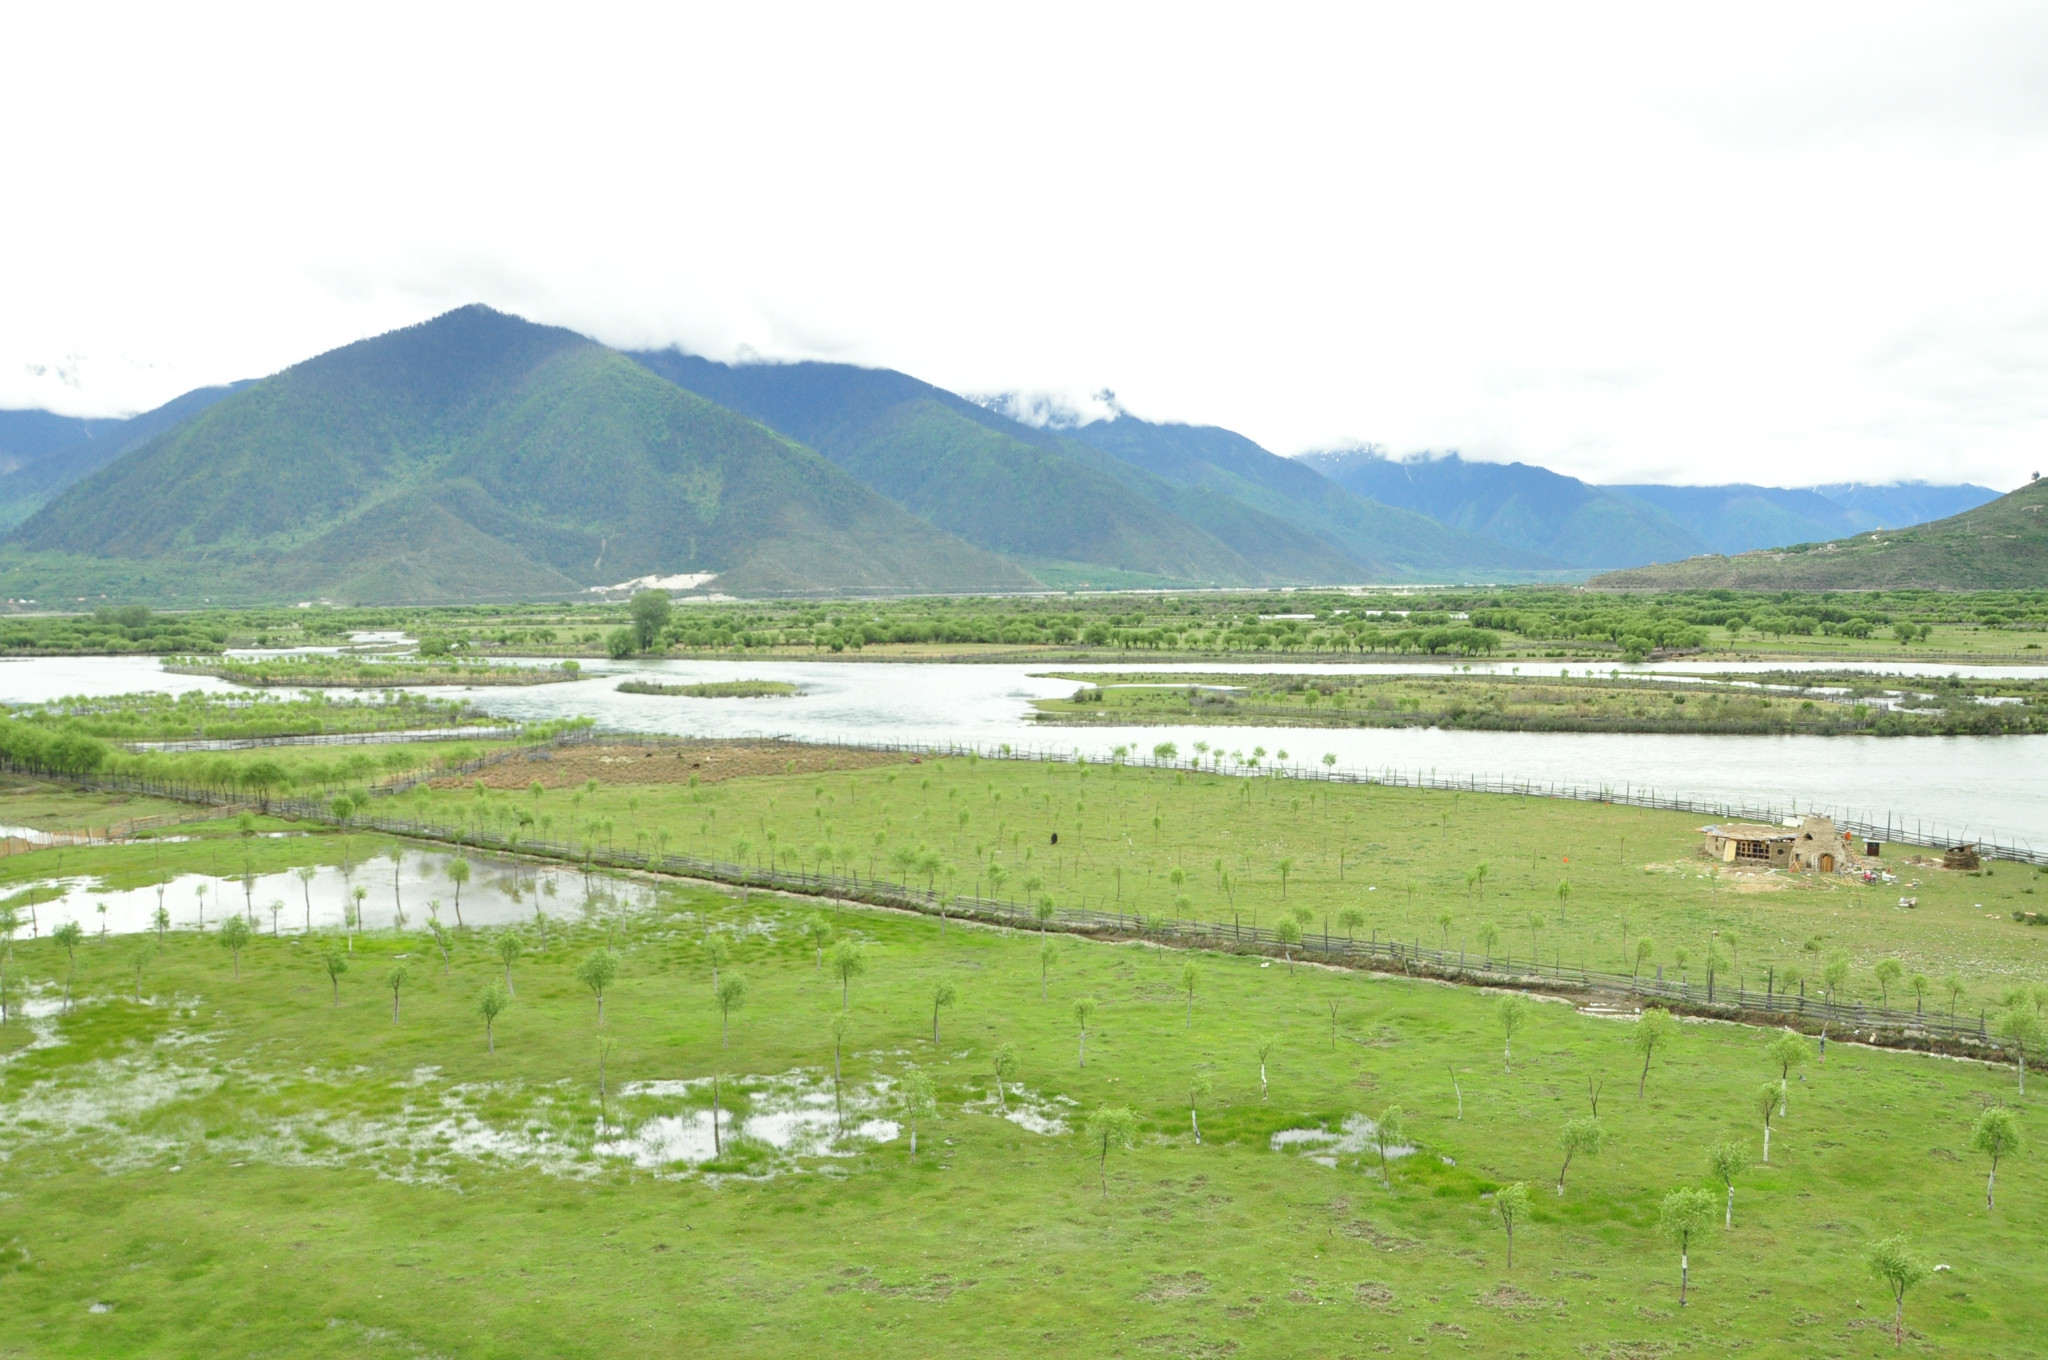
(510, 946)
(1084, 1011)
(490, 1004)
(920, 1102)
(848, 963)
(732, 994)
(68, 936)
(1646, 949)
(943, 994)
(1444, 922)
(1109, 1126)
(1199, 1087)
(1351, 918)
(234, 934)
(1511, 1202)
(307, 873)
(2020, 1030)
(1919, 985)
(1892, 1261)
(336, 963)
(458, 873)
(716, 952)
(1786, 1052)
(395, 979)
(1889, 971)
(840, 1024)
(1727, 1161)
(1386, 1133)
(1580, 1138)
(1653, 1029)
(396, 854)
(1765, 1103)
(1997, 1136)
(1048, 954)
(1489, 936)
(1954, 985)
(1007, 1065)
(1266, 1047)
(441, 942)
(1287, 934)
(1685, 1214)
(818, 931)
(1189, 976)
(598, 972)
(1513, 1013)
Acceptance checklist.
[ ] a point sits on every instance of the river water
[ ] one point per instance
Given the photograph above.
(1956, 788)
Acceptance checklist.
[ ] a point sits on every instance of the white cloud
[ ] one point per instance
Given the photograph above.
(1624, 241)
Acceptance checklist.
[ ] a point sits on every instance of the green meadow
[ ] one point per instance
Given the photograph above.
(259, 1157)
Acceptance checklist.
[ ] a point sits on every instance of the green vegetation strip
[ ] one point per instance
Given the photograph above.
(716, 689)
(1816, 705)
(354, 672)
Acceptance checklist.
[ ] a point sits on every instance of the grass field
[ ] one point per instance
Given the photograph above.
(243, 1166)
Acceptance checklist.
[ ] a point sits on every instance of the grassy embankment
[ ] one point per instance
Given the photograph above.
(1534, 703)
(349, 671)
(242, 1164)
(715, 689)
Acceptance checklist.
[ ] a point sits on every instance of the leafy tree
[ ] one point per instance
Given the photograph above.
(650, 610)
(1286, 868)
(1954, 985)
(1997, 1136)
(395, 979)
(1489, 936)
(1266, 1047)
(848, 963)
(1513, 1013)
(1287, 934)
(1579, 1138)
(234, 935)
(1765, 1102)
(1084, 1011)
(336, 963)
(2020, 1030)
(1727, 1161)
(1199, 1087)
(598, 972)
(1048, 954)
(840, 1024)
(458, 873)
(1685, 1215)
(1189, 976)
(1444, 922)
(818, 931)
(1786, 1052)
(1919, 986)
(1007, 1065)
(1351, 918)
(1386, 1133)
(1653, 1029)
(943, 994)
(510, 947)
(490, 1004)
(1892, 1261)
(920, 1102)
(68, 936)
(731, 995)
(1646, 949)
(1109, 1126)
(1889, 972)
(1511, 1202)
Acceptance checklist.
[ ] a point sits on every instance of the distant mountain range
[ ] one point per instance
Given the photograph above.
(2002, 545)
(480, 456)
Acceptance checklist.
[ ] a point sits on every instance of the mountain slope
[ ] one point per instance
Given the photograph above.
(998, 484)
(479, 455)
(1382, 541)
(1898, 504)
(26, 488)
(1999, 546)
(26, 435)
(1524, 507)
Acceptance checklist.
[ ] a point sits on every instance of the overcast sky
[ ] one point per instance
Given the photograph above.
(1780, 243)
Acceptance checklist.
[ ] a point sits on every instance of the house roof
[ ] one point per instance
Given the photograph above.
(1750, 831)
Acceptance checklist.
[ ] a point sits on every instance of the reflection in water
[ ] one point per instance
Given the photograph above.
(499, 892)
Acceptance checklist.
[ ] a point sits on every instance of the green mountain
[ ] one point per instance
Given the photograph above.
(1999, 546)
(1064, 511)
(1524, 507)
(29, 485)
(481, 456)
(1383, 542)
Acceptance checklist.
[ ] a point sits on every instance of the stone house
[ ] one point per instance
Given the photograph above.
(1800, 845)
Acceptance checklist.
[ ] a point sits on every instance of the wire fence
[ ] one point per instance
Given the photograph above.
(392, 736)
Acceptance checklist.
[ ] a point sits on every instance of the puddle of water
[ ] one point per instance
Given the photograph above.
(792, 1114)
(1324, 1146)
(499, 892)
